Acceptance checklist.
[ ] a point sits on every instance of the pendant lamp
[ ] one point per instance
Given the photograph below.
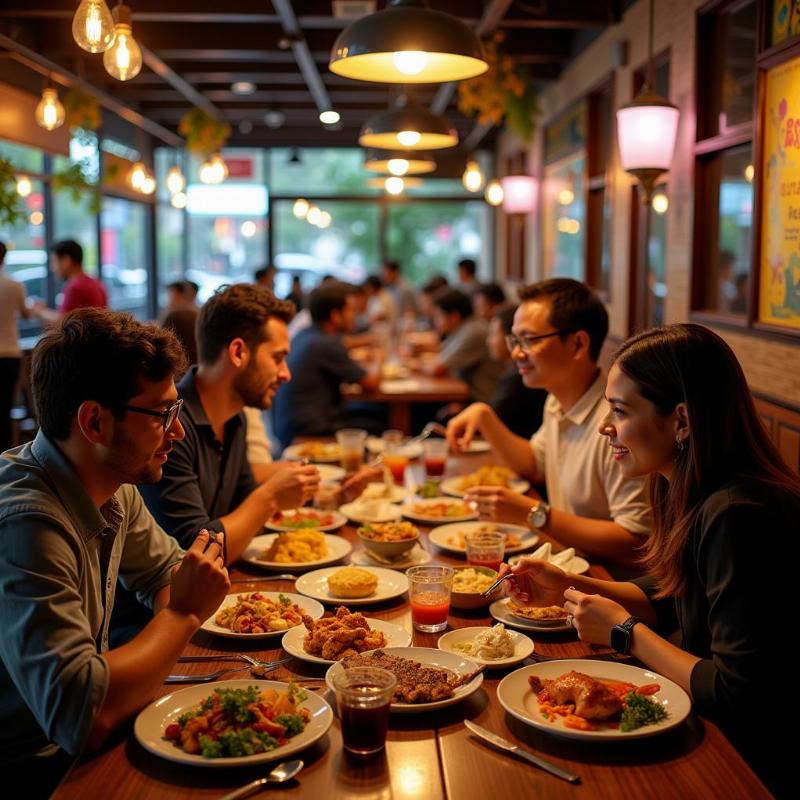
(399, 162)
(408, 42)
(408, 125)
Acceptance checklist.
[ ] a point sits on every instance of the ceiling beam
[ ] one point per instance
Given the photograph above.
(55, 72)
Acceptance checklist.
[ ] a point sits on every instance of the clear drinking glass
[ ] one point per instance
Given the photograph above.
(485, 549)
(395, 456)
(429, 592)
(435, 455)
(363, 695)
(351, 442)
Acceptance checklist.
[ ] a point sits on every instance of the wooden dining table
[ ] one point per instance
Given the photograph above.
(431, 755)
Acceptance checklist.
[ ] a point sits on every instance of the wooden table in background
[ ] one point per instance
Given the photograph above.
(432, 756)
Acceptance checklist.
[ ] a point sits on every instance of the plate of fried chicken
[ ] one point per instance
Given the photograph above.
(330, 639)
(427, 679)
(587, 699)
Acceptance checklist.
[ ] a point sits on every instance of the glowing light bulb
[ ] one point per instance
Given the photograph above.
(49, 113)
(409, 138)
(300, 208)
(566, 197)
(397, 166)
(137, 175)
(93, 26)
(494, 193)
(175, 180)
(394, 185)
(314, 215)
(37, 218)
(329, 117)
(123, 58)
(660, 203)
(214, 170)
(148, 185)
(24, 186)
(749, 173)
(410, 62)
(248, 229)
(472, 177)
(178, 200)
(324, 219)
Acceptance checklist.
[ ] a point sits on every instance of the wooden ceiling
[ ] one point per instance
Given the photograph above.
(195, 50)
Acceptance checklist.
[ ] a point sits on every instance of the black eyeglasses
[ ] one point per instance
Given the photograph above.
(168, 417)
(527, 340)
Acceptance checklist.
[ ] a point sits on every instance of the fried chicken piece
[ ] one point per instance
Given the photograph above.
(341, 635)
(592, 699)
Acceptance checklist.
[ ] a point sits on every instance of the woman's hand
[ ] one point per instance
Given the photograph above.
(354, 486)
(536, 583)
(499, 503)
(593, 616)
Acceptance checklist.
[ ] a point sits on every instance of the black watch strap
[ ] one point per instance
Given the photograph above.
(621, 635)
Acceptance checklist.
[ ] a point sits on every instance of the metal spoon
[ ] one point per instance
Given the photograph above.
(282, 773)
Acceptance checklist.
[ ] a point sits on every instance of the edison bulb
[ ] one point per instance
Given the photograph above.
(394, 185)
(178, 200)
(49, 112)
(215, 170)
(749, 173)
(24, 186)
(410, 62)
(472, 177)
(300, 208)
(93, 26)
(397, 166)
(494, 193)
(409, 138)
(175, 180)
(123, 59)
(148, 185)
(660, 203)
(314, 215)
(137, 175)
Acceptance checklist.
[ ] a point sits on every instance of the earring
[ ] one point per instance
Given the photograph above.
(679, 444)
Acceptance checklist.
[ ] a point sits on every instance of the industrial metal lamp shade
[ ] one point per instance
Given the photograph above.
(519, 194)
(399, 162)
(647, 129)
(409, 126)
(408, 43)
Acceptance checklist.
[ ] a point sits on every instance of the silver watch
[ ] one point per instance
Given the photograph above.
(538, 515)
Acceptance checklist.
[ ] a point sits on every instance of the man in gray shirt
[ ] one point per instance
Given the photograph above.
(71, 523)
(464, 351)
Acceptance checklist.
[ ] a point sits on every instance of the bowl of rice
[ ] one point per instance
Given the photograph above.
(468, 583)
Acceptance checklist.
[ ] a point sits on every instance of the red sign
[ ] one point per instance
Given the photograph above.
(239, 167)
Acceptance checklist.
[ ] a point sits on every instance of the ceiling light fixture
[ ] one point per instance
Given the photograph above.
(408, 42)
(137, 175)
(93, 26)
(178, 200)
(49, 112)
(394, 185)
(123, 58)
(408, 124)
(301, 208)
(329, 117)
(494, 193)
(519, 193)
(214, 170)
(24, 186)
(243, 87)
(646, 129)
(416, 161)
(176, 182)
(472, 177)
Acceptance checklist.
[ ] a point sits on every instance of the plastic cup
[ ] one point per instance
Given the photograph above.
(351, 442)
(363, 696)
(429, 592)
(485, 549)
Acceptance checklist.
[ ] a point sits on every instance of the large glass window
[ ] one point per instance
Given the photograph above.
(23, 158)
(429, 238)
(656, 257)
(169, 248)
(563, 218)
(125, 237)
(318, 171)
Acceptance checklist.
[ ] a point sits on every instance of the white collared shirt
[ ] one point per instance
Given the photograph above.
(581, 475)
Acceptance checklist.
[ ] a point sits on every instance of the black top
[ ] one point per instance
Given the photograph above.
(736, 615)
(203, 479)
(182, 321)
(519, 408)
(311, 403)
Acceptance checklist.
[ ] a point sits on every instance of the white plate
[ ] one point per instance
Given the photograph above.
(315, 584)
(396, 495)
(364, 511)
(311, 607)
(292, 641)
(450, 486)
(375, 445)
(576, 564)
(421, 516)
(328, 453)
(152, 721)
(327, 472)
(517, 697)
(414, 557)
(523, 646)
(338, 548)
(441, 536)
(338, 520)
(499, 610)
(436, 658)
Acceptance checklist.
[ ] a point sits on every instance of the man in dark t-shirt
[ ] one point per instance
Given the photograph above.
(311, 405)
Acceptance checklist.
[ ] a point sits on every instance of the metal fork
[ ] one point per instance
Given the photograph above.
(211, 676)
(430, 428)
(235, 657)
(285, 576)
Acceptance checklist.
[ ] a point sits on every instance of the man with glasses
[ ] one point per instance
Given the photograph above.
(71, 524)
(557, 335)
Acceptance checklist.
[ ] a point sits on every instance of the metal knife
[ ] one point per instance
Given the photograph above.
(503, 744)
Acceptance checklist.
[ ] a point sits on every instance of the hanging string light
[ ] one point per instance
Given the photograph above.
(176, 182)
(123, 58)
(178, 200)
(24, 186)
(93, 26)
(214, 170)
(49, 112)
(301, 208)
(472, 177)
(494, 193)
(137, 175)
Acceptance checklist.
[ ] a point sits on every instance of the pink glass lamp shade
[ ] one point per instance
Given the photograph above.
(519, 194)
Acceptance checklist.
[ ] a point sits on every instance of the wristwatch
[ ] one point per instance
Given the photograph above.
(621, 635)
(538, 515)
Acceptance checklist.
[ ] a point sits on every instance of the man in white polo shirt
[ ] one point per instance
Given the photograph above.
(559, 330)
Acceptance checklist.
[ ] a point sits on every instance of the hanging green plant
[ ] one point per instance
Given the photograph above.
(72, 179)
(10, 208)
(204, 135)
(504, 92)
(82, 110)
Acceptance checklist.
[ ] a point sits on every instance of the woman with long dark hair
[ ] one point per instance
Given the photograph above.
(726, 514)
